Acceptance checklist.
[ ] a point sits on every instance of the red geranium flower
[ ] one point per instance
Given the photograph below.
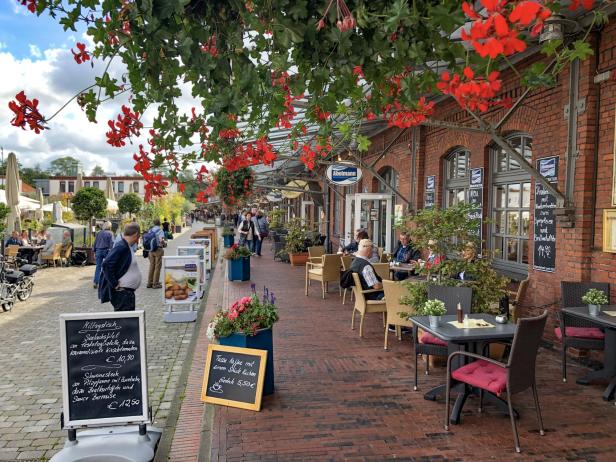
(82, 56)
(26, 112)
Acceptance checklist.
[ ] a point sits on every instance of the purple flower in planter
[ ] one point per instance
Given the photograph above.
(253, 288)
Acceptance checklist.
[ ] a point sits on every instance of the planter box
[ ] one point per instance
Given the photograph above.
(238, 270)
(298, 259)
(262, 341)
(228, 240)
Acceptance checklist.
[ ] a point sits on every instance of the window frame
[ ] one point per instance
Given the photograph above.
(456, 182)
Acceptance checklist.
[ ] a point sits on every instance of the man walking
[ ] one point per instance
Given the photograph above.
(120, 275)
(262, 228)
(154, 246)
(102, 245)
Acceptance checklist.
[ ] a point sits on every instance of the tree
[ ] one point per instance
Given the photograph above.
(130, 203)
(88, 203)
(29, 174)
(4, 212)
(62, 166)
(98, 171)
(249, 63)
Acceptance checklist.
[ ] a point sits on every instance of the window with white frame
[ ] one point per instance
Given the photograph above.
(456, 177)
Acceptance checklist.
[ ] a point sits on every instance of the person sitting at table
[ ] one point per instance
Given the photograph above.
(47, 249)
(433, 259)
(352, 247)
(469, 253)
(24, 238)
(40, 237)
(14, 239)
(405, 253)
(66, 241)
(367, 275)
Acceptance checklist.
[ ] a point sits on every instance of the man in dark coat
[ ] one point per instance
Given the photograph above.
(120, 275)
(405, 253)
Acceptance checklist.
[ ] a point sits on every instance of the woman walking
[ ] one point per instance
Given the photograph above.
(247, 231)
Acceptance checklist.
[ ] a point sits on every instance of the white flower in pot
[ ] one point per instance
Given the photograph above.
(594, 298)
(434, 309)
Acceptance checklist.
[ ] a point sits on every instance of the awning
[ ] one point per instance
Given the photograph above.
(299, 184)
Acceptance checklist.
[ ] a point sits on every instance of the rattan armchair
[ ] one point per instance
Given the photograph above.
(429, 345)
(11, 253)
(514, 377)
(575, 332)
(315, 253)
(326, 270)
(363, 305)
(394, 291)
(345, 261)
(53, 256)
(382, 270)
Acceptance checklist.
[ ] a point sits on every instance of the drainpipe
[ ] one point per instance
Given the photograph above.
(328, 243)
(572, 149)
(595, 170)
(414, 147)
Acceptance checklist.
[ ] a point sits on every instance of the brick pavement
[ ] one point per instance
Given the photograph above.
(339, 397)
(30, 389)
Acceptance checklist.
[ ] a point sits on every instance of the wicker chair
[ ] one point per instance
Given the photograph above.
(428, 344)
(574, 332)
(514, 377)
(393, 292)
(363, 306)
(326, 270)
(65, 256)
(519, 296)
(315, 253)
(346, 261)
(382, 270)
(53, 256)
(10, 256)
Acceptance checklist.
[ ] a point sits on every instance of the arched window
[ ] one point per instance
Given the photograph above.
(456, 177)
(391, 178)
(511, 205)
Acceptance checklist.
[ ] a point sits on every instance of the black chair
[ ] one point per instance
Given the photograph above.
(514, 377)
(430, 345)
(575, 332)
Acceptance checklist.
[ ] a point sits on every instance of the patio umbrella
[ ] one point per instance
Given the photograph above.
(79, 182)
(109, 194)
(112, 206)
(39, 212)
(13, 221)
(57, 212)
(130, 187)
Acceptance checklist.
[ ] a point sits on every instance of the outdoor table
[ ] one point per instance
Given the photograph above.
(29, 252)
(403, 267)
(469, 339)
(608, 372)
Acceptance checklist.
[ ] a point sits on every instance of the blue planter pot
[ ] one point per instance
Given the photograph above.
(239, 270)
(228, 240)
(262, 341)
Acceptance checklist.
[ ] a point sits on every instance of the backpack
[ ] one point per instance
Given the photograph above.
(346, 279)
(150, 241)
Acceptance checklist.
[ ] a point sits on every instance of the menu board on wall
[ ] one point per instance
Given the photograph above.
(544, 256)
(475, 198)
(430, 193)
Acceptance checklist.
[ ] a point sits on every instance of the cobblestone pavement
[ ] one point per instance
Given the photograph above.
(342, 398)
(30, 385)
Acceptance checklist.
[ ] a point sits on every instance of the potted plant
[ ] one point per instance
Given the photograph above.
(434, 309)
(238, 263)
(295, 244)
(248, 323)
(228, 235)
(594, 298)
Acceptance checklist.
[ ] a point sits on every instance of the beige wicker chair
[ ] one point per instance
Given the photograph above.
(66, 255)
(10, 254)
(326, 271)
(315, 253)
(393, 292)
(54, 256)
(382, 269)
(519, 296)
(346, 261)
(365, 306)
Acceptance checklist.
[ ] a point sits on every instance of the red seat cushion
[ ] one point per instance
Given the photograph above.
(431, 340)
(581, 332)
(484, 375)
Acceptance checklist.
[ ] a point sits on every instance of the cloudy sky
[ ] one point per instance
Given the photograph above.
(35, 57)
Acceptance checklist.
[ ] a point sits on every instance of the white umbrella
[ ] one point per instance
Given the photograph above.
(79, 182)
(39, 212)
(50, 207)
(112, 206)
(25, 203)
(109, 194)
(130, 187)
(13, 221)
(57, 212)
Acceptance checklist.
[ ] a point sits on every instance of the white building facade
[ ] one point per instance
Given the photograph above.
(56, 185)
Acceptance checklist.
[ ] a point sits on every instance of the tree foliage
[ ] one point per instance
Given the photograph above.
(64, 166)
(130, 203)
(98, 171)
(88, 203)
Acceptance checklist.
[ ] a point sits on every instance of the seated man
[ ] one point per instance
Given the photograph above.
(14, 239)
(66, 241)
(352, 247)
(405, 253)
(48, 249)
(367, 276)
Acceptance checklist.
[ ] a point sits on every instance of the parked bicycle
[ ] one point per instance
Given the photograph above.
(15, 284)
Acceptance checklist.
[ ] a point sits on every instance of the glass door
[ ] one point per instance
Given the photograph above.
(349, 220)
(374, 213)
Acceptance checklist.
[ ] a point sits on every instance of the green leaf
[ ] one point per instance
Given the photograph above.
(363, 143)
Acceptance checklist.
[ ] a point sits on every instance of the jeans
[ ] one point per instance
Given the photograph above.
(256, 246)
(375, 296)
(156, 261)
(100, 256)
(123, 300)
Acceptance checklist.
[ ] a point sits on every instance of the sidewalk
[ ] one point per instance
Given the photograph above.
(339, 397)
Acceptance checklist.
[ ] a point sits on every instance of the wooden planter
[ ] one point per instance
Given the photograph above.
(298, 259)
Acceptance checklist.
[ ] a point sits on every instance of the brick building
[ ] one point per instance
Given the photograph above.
(573, 122)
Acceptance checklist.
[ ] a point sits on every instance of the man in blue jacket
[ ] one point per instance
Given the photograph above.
(120, 275)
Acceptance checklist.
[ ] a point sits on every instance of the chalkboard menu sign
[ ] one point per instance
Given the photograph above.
(475, 198)
(545, 222)
(430, 193)
(234, 376)
(104, 378)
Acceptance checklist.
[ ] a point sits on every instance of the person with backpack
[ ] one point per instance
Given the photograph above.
(367, 275)
(262, 228)
(247, 231)
(153, 243)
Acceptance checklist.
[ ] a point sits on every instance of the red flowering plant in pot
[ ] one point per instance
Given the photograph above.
(236, 252)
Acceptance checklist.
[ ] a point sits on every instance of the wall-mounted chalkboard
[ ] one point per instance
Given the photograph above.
(104, 374)
(544, 253)
(234, 376)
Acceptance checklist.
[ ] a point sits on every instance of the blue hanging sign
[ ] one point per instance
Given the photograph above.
(343, 174)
